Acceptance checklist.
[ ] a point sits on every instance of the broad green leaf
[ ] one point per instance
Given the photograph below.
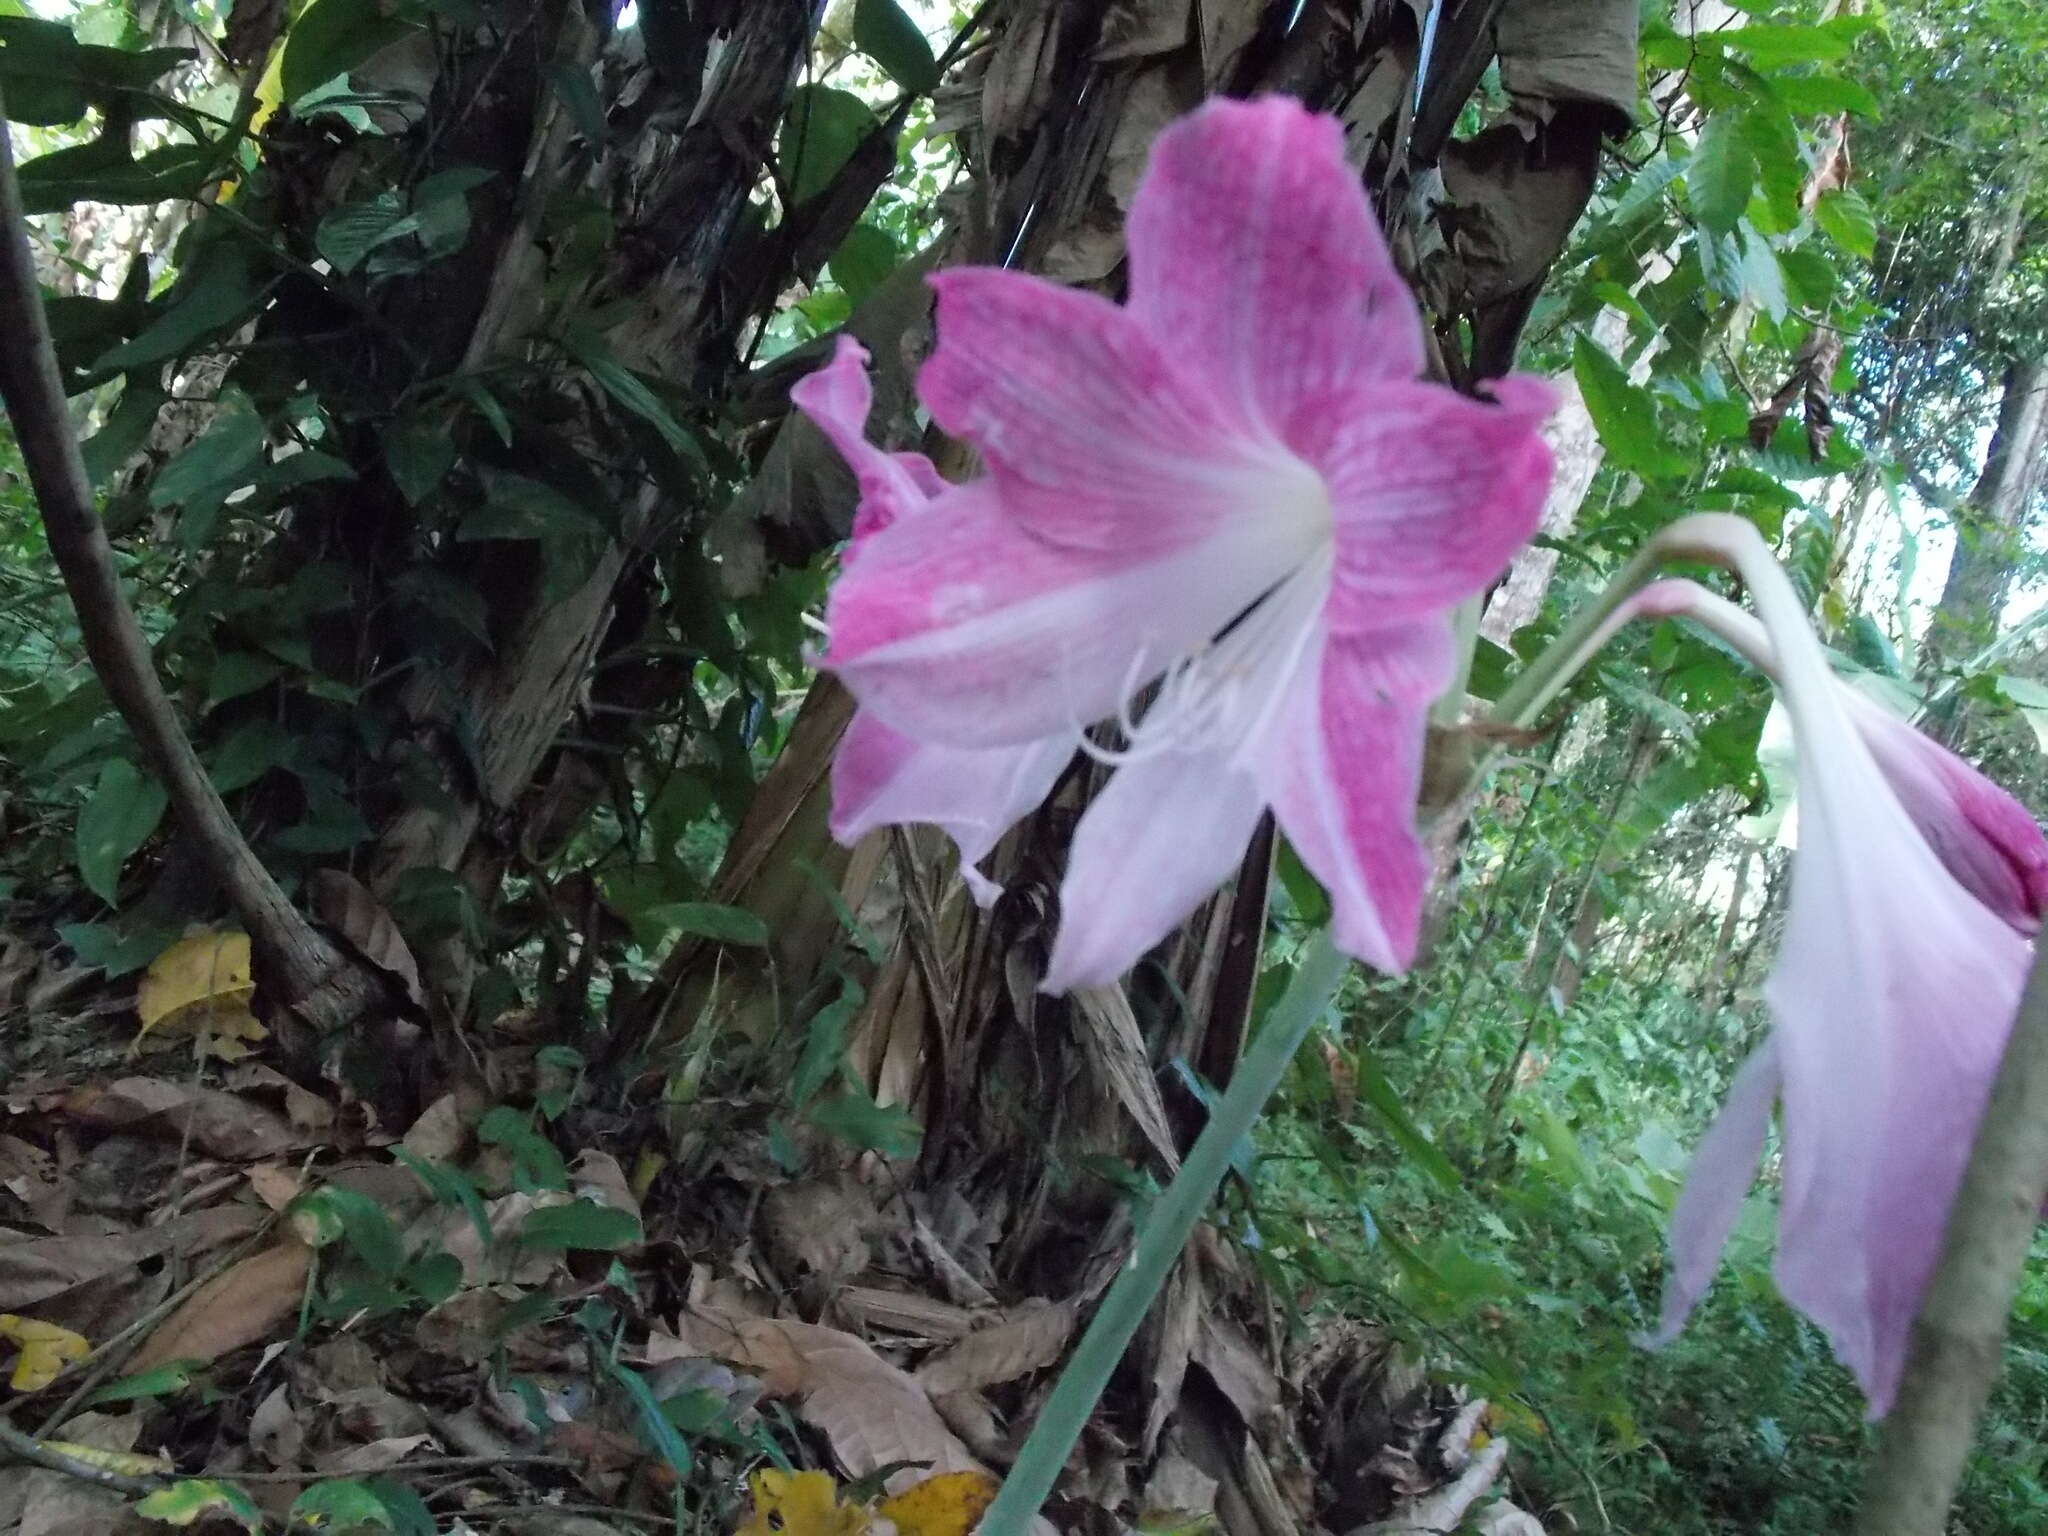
(536, 1163)
(866, 256)
(885, 34)
(212, 297)
(1720, 173)
(192, 1498)
(340, 1504)
(580, 1224)
(332, 1212)
(1769, 45)
(1849, 221)
(127, 428)
(820, 132)
(1377, 1091)
(824, 1043)
(419, 451)
(237, 673)
(331, 37)
(216, 463)
(1624, 415)
(705, 919)
(42, 72)
(114, 947)
(1824, 95)
(124, 809)
(859, 1121)
(450, 1186)
(352, 231)
(661, 1433)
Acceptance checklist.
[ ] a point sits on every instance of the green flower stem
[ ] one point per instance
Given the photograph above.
(1166, 1231)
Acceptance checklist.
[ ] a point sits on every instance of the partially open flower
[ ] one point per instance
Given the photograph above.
(1226, 517)
(1914, 888)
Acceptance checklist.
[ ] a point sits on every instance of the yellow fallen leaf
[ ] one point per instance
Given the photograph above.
(127, 1463)
(947, 1504)
(801, 1504)
(45, 1350)
(201, 986)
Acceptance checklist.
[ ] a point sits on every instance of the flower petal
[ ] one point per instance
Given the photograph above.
(1432, 493)
(883, 779)
(1343, 771)
(959, 627)
(837, 398)
(1164, 833)
(1724, 1166)
(1093, 437)
(1983, 836)
(1255, 258)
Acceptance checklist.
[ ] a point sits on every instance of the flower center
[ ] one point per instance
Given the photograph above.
(1222, 697)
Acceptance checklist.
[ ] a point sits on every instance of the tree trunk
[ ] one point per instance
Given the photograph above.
(1989, 525)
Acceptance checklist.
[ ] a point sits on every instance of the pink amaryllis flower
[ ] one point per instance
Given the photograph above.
(1916, 889)
(1230, 498)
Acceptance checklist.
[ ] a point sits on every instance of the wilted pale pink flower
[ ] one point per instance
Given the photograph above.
(1914, 889)
(1233, 487)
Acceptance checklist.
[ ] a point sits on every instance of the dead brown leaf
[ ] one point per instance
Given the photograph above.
(872, 1412)
(1239, 1371)
(377, 1456)
(1028, 1340)
(237, 1307)
(276, 1185)
(222, 1124)
(440, 1132)
(308, 1112)
(344, 904)
(36, 1268)
(274, 1430)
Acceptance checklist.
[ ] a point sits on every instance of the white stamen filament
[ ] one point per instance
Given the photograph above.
(1224, 694)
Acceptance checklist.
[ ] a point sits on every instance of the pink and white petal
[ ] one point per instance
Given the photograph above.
(837, 398)
(1255, 258)
(960, 627)
(1981, 834)
(1432, 493)
(1095, 439)
(1724, 1167)
(1893, 995)
(1343, 769)
(1164, 833)
(881, 778)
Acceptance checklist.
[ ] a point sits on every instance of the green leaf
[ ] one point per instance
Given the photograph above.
(341, 1504)
(1768, 46)
(536, 1163)
(352, 231)
(189, 1499)
(1824, 95)
(626, 387)
(661, 1433)
(1624, 415)
(332, 37)
(124, 809)
(42, 72)
(213, 297)
(213, 465)
(866, 256)
(1849, 221)
(450, 1186)
(822, 129)
(885, 34)
(580, 1224)
(1374, 1088)
(114, 947)
(859, 1121)
(332, 1211)
(1720, 173)
(126, 430)
(419, 451)
(158, 1381)
(709, 920)
(824, 1043)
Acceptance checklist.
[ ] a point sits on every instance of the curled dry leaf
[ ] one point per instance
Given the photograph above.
(873, 1413)
(222, 1124)
(1029, 1340)
(237, 1307)
(345, 905)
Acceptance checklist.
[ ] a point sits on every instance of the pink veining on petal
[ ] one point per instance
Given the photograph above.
(1256, 260)
(1225, 521)
(1431, 493)
(1343, 775)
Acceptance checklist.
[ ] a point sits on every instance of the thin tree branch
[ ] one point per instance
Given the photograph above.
(17, 1446)
(303, 963)
(1958, 1340)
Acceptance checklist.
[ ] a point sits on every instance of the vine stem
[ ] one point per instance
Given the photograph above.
(1165, 1232)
